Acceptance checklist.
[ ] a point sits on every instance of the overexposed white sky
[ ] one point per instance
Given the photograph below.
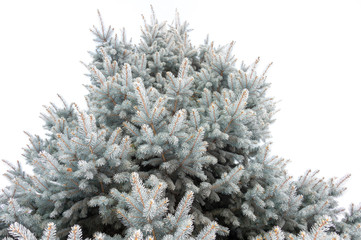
(315, 47)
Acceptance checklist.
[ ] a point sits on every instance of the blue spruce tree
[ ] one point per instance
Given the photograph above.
(174, 145)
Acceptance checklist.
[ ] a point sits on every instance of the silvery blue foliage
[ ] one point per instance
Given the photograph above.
(144, 212)
(187, 122)
(319, 231)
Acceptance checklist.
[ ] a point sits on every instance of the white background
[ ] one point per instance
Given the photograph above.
(315, 47)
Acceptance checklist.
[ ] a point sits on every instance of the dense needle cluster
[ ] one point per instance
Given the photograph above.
(174, 145)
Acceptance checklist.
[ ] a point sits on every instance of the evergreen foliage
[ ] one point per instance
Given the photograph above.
(190, 125)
